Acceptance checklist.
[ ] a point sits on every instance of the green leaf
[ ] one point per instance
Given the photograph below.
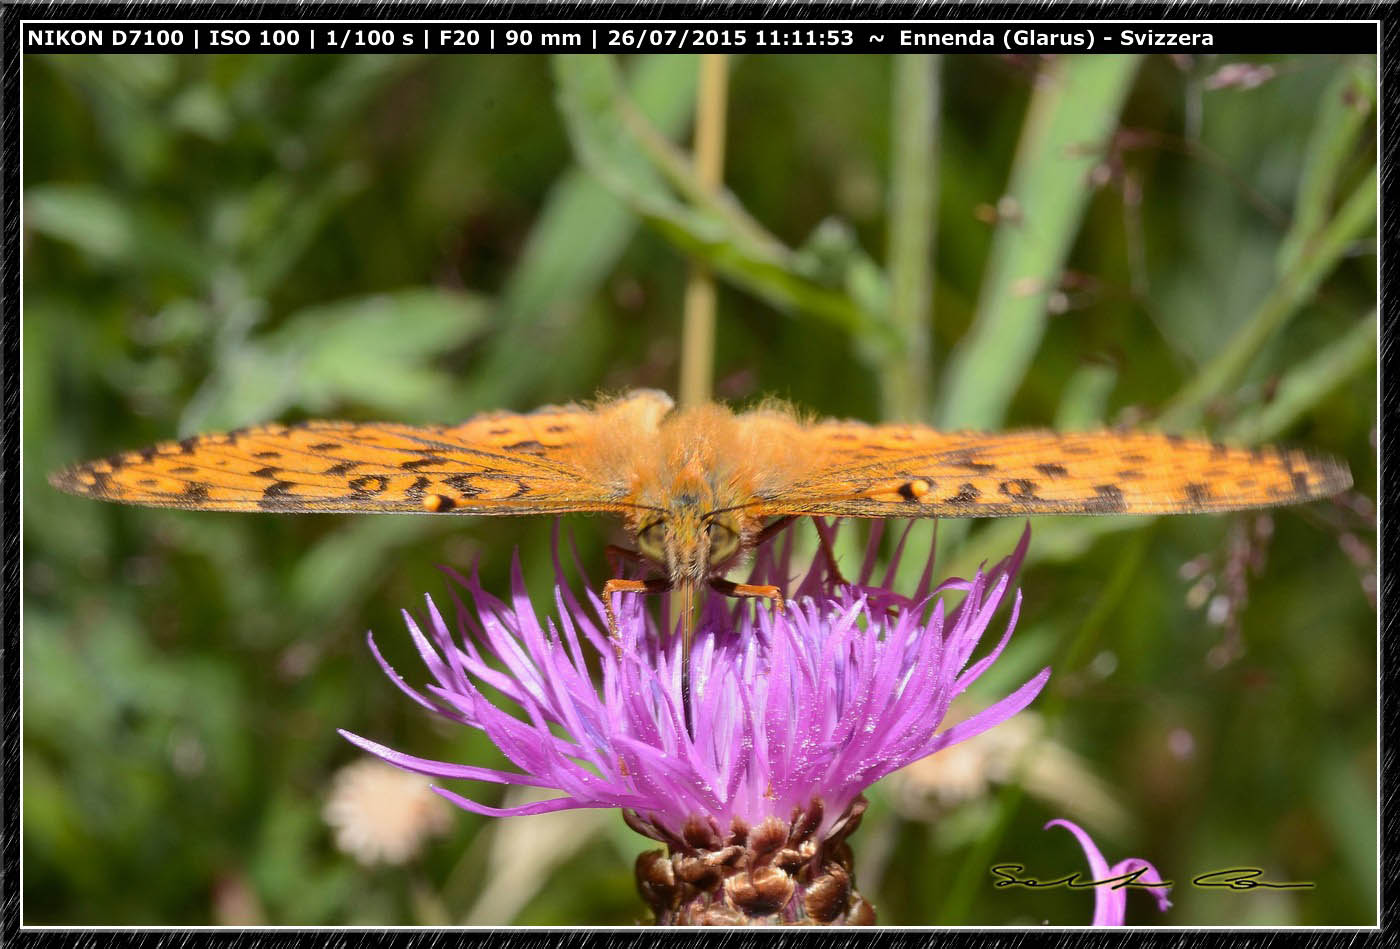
(576, 239)
(375, 351)
(115, 234)
(1342, 115)
(89, 218)
(1351, 223)
(1084, 402)
(1305, 384)
(1072, 114)
(616, 144)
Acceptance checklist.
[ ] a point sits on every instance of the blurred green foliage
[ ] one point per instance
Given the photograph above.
(214, 241)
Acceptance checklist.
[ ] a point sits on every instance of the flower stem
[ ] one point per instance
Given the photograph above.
(698, 327)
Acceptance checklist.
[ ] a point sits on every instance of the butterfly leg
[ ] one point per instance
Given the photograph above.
(657, 585)
(730, 588)
(829, 555)
(617, 556)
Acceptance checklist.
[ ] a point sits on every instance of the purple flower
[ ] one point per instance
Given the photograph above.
(794, 716)
(1110, 900)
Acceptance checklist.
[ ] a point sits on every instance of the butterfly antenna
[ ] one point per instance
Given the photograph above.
(687, 597)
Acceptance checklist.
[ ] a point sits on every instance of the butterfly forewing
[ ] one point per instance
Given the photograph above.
(909, 471)
(499, 464)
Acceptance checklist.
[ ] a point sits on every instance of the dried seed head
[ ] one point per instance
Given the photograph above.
(861, 913)
(790, 860)
(739, 831)
(767, 838)
(698, 872)
(760, 892)
(717, 915)
(772, 872)
(828, 895)
(701, 833)
(805, 823)
(656, 879)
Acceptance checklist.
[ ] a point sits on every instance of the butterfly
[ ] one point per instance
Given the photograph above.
(699, 486)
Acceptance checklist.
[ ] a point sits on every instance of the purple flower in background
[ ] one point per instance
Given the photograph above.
(794, 716)
(1110, 903)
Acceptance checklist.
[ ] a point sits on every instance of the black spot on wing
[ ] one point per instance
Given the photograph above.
(463, 484)
(528, 446)
(341, 469)
(968, 493)
(416, 491)
(1051, 470)
(965, 459)
(274, 497)
(1197, 494)
(427, 461)
(1022, 489)
(1109, 500)
(369, 485)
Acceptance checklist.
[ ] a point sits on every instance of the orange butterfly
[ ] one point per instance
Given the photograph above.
(699, 486)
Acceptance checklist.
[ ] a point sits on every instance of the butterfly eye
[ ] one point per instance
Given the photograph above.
(651, 540)
(724, 541)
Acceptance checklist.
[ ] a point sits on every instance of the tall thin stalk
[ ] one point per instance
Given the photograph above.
(905, 379)
(698, 326)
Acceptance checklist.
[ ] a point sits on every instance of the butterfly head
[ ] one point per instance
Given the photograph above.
(692, 545)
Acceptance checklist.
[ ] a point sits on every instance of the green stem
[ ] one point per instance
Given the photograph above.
(682, 175)
(905, 379)
(698, 321)
(1069, 123)
(1305, 385)
(1349, 225)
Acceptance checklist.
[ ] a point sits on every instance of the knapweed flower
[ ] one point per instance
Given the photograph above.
(794, 715)
(1111, 899)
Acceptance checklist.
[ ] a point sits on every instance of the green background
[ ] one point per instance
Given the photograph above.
(213, 241)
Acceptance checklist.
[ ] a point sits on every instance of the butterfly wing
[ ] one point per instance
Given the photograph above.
(492, 464)
(911, 471)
